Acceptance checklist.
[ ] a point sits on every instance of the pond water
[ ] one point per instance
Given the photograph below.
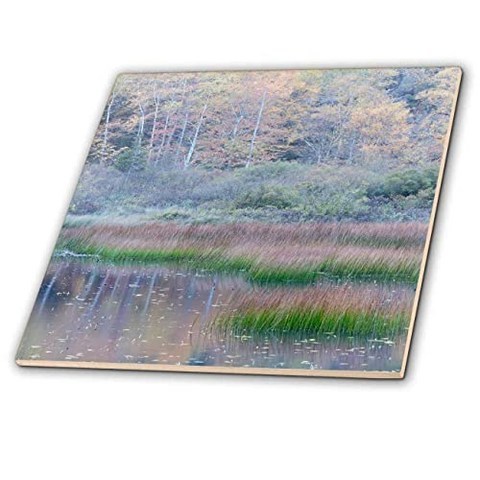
(87, 311)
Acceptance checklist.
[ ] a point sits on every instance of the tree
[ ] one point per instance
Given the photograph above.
(255, 131)
(395, 116)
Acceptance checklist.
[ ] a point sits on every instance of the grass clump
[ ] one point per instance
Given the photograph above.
(268, 274)
(372, 270)
(357, 310)
(194, 258)
(314, 322)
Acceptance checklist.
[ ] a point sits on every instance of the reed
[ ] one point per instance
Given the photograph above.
(315, 322)
(357, 311)
(268, 254)
(395, 235)
(257, 272)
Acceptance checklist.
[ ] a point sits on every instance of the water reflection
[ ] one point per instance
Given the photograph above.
(157, 315)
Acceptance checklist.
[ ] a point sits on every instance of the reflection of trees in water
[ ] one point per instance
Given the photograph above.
(97, 312)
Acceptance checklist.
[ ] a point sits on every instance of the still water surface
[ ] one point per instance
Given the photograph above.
(157, 315)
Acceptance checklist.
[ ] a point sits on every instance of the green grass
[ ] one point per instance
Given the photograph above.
(262, 273)
(312, 321)
(380, 241)
(334, 270)
(277, 275)
(376, 270)
(206, 260)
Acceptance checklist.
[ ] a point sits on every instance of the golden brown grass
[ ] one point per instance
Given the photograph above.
(353, 310)
(150, 235)
(269, 252)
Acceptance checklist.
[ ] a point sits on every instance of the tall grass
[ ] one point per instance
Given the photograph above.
(265, 273)
(315, 322)
(360, 311)
(273, 257)
(269, 254)
(393, 235)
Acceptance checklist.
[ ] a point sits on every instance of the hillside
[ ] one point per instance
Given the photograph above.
(280, 146)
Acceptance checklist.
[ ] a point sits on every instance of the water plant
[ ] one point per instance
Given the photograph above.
(357, 310)
(314, 322)
(268, 254)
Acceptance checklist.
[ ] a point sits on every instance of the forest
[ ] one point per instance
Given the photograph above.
(272, 146)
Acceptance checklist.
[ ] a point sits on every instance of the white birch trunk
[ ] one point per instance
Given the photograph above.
(141, 126)
(169, 140)
(182, 134)
(235, 128)
(107, 123)
(238, 118)
(154, 126)
(164, 136)
(255, 132)
(189, 156)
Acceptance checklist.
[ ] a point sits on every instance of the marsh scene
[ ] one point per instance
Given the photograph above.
(87, 311)
(268, 219)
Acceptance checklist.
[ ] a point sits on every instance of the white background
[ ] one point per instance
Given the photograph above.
(58, 61)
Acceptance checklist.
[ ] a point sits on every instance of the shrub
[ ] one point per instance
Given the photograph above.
(405, 184)
(340, 205)
(173, 213)
(131, 160)
(269, 171)
(267, 196)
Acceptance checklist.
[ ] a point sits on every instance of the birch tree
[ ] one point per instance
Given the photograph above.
(193, 144)
(239, 116)
(164, 136)
(141, 126)
(156, 100)
(182, 135)
(255, 131)
(107, 124)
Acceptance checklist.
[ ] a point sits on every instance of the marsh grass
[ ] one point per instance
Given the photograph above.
(381, 235)
(337, 266)
(345, 310)
(255, 271)
(264, 253)
(314, 322)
